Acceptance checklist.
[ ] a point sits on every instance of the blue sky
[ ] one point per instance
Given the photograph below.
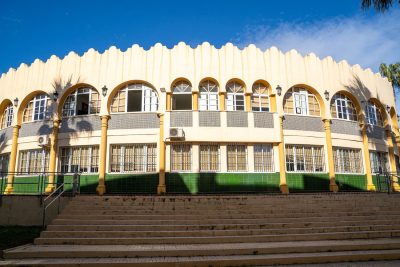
(39, 29)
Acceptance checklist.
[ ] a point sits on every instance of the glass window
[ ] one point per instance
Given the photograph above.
(83, 101)
(234, 96)
(33, 161)
(83, 159)
(260, 99)
(133, 158)
(347, 160)
(263, 158)
(7, 117)
(181, 157)
(379, 162)
(300, 101)
(135, 98)
(300, 158)
(4, 160)
(237, 157)
(182, 96)
(209, 158)
(374, 115)
(37, 109)
(208, 96)
(343, 108)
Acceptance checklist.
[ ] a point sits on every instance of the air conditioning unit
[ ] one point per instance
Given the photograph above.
(43, 140)
(176, 133)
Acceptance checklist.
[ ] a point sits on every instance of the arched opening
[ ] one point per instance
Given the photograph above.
(260, 97)
(375, 113)
(6, 113)
(303, 100)
(342, 107)
(82, 101)
(208, 99)
(36, 106)
(235, 90)
(181, 95)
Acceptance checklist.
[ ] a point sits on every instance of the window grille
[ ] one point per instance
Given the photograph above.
(181, 157)
(83, 159)
(347, 160)
(37, 109)
(7, 117)
(4, 160)
(83, 101)
(208, 96)
(182, 96)
(33, 161)
(235, 96)
(379, 162)
(135, 97)
(260, 99)
(301, 101)
(263, 158)
(343, 108)
(301, 158)
(237, 157)
(374, 115)
(130, 158)
(209, 158)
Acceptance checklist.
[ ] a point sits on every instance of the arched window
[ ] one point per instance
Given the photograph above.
(260, 99)
(374, 115)
(83, 101)
(234, 96)
(343, 108)
(300, 101)
(208, 96)
(37, 109)
(135, 97)
(7, 117)
(182, 96)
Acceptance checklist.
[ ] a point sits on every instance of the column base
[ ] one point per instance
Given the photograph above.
(371, 187)
(100, 190)
(161, 189)
(284, 189)
(9, 190)
(333, 188)
(396, 187)
(50, 188)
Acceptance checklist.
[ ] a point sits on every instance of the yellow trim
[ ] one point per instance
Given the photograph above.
(168, 104)
(101, 188)
(282, 170)
(392, 159)
(161, 188)
(195, 100)
(222, 101)
(370, 184)
(272, 103)
(332, 182)
(13, 158)
(53, 156)
(248, 101)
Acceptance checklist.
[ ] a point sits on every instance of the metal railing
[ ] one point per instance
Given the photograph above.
(385, 181)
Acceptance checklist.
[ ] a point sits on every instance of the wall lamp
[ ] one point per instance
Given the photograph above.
(279, 90)
(55, 96)
(388, 108)
(326, 94)
(104, 90)
(162, 90)
(16, 102)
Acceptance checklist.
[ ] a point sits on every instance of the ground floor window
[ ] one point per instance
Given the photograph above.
(300, 158)
(263, 158)
(4, 159)
(181, 157)
(237, 157)
(379, 161)
(83, 159)
(33, 161)
(133, 158)
(347, 160)
(209, 158)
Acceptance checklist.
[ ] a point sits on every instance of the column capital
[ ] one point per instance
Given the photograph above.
(17, 126)
(222, 93)
(103, 117)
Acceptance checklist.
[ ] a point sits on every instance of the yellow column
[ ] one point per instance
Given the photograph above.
(161, 189)
(53, 156)
(272, 103)
(13, 158)
(332, 183)
(168, 104)
(195, 101)
(392, 159)
(370, 184)
(101, 188)
(222, 101)
(282, 170)
(248, 102)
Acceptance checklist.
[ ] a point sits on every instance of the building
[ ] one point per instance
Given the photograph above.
(198, 120)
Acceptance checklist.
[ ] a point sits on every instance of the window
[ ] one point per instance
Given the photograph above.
(237, 158)
(37, 109)
(135, 98)
(260, 99)
(134, 158)
(263, 158)
(181, 157)
(379, 162)
(182, 96)
(301, 158)
(83, 159)
(7, 117)
(33, 161)
(83, 101)
(343, 108)
(300, 101)
(209, 158)
(347, 160)
(208, 96)
(4, 160)
(374, 115)
(234, 96)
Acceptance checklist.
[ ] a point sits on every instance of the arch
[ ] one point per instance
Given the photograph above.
(179, 80)
(69, 91)
(235, 99)
(393, 117)
(237, 80)
(265, 83)
(3, 106)
(313, 91)
(115, 90)
(260, 96)
(208, 94)
(210, 79)
(25, 101)
(354, 102)
(382, 110)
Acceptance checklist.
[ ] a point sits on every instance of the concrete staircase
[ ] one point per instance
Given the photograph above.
(237, 230)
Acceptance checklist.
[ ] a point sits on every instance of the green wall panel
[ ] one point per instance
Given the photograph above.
(351, 182)
(307, 182)
(383, 186)
(132, 183)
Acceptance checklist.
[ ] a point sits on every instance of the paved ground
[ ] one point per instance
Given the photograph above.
(350, 264)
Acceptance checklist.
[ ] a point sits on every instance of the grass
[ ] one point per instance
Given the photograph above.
(12, 236)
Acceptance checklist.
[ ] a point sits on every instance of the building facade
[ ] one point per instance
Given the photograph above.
(198, 120)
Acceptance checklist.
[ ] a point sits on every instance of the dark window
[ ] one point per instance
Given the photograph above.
(134, 100)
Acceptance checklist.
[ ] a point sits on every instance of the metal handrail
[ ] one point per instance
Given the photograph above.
(48, 205)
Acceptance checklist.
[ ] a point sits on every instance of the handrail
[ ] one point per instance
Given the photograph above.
(48, 205)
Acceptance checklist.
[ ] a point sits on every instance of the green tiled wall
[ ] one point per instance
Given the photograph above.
(383, 184)
(132, 183)
(351, 182)
(307, 182)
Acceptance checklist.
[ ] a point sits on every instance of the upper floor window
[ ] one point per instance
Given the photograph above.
(260, 99)
(37, 109)
(300, 101)
(208, 96)
(83, 101)
(374, 115)
(343, 108)
(7, 117)
(182, 96)
(135, 97)
(234, 96)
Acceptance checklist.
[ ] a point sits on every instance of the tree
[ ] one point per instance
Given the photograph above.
(379, 5)
(392, 73)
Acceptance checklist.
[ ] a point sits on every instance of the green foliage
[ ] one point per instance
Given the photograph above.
(379, 5)
(391, 72)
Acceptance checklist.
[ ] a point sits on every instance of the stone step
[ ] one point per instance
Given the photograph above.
(131, 251)
(206, 261)
(217, 239)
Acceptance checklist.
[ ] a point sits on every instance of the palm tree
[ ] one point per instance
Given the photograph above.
(379, 5)
(392, 73)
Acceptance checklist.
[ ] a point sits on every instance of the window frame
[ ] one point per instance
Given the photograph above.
(232, 95)
(148, 166)
(209, 158)
(294, 148)
(29, 153)
(205, 89)
(263, 159)
(7, 117)
(338, 157)
(376, 117)
(172, 158)
(376, 159)
(260, 96)
(237, 170)
(69, 155)
(176, 91)
(75, 95)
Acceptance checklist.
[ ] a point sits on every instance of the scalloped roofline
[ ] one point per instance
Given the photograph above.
(183, 44)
